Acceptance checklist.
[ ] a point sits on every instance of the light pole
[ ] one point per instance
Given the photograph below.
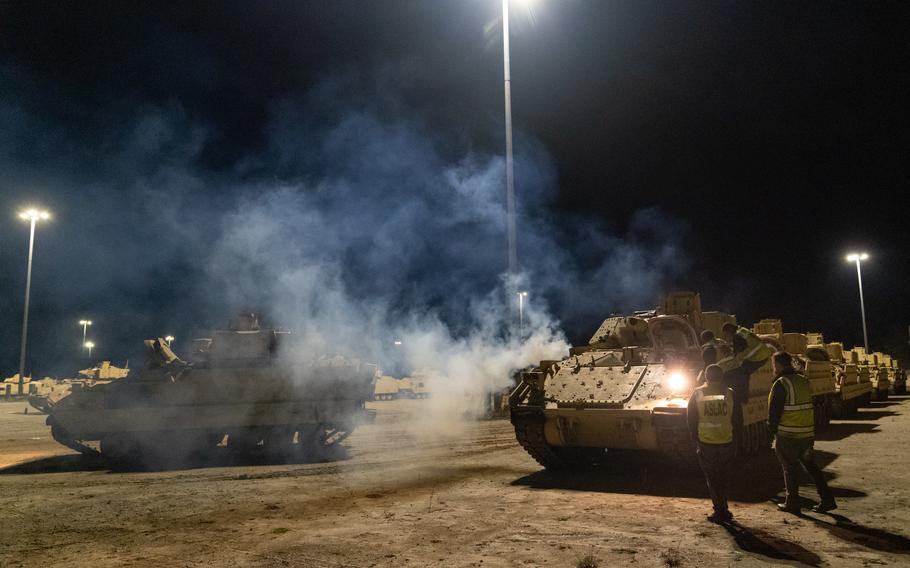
(521, 317)
(169, 338)
(510, 173)
(84, 324)
(857, 257)
(33, 216)
(89, 345)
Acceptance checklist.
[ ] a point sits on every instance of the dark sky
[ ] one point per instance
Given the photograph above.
(772, 137)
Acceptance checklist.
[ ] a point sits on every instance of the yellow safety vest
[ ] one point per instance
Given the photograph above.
(722, 348)
(798, 420)
(756, 350)
(715, 413)
(728, 363)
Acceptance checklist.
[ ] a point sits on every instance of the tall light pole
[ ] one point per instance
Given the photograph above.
(510, 173)
(857, 257)
(521, 318)
(89, 345)
(84, 324)
(33, 216)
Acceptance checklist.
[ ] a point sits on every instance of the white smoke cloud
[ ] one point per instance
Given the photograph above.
(355, 224)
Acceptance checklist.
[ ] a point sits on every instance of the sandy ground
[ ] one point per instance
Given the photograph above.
(401, 497)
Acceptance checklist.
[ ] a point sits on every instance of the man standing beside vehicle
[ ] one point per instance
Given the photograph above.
(791, 420)
(714, 422)
(749, 354)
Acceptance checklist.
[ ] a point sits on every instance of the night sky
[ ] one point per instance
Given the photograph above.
(738, 149)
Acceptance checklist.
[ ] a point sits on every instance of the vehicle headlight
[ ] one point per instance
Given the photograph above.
(677, 381)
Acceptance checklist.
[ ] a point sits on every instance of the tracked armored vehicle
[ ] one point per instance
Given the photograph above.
(628, 389)
(850, 391)
(868, 373)
(44, 398)
(812, 359)
(881, 379)
(243, 391)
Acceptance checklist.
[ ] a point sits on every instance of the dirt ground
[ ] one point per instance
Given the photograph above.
(400, 497)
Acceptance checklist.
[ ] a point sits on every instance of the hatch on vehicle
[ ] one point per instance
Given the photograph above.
(672, 333)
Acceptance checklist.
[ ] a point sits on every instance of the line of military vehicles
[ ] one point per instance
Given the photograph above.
(627, 389)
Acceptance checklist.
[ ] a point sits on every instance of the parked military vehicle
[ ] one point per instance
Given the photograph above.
(870, 371)
(880, 376)
(628, 389)
(851, 389)
(243, 389)
(12, 387)
(858, 356)
(44, 396)
(811, 359)
(418, 385)
(386, 388)
(105, 371)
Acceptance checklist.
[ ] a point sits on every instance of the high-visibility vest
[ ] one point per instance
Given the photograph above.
(756, 350)
(798, 420)
(721, 347)
(728, 363)
(715, 413)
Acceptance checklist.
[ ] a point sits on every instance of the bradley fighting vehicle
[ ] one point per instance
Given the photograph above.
(867, 365)
(853, 387)
(628, 389)
(811, 358)
(896, 376)
(240, 386)
(882, 380)
(50, 392)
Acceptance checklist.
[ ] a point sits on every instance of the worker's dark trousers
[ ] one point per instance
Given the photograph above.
(796, 452)
(716, 461)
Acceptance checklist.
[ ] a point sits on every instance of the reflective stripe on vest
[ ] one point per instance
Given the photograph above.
(798, 419)
(715, 414)
(756, 350)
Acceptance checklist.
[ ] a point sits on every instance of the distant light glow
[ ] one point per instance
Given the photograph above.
(677, 381)
(89, 344)
(85, 322)
(32, 214)
(855, 256)
(397, 342)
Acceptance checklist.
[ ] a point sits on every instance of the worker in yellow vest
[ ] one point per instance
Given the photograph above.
(708, 338)
(749, 354)
(791, 419)
(715, 421)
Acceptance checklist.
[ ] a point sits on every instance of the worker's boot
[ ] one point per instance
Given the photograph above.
(721, 516)
(791, 505)
(827, 504)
